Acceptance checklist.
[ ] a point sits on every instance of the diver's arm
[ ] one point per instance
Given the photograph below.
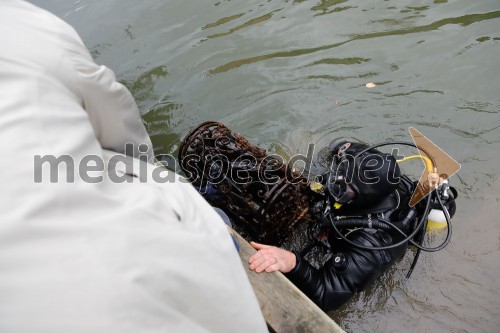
(348, 271)
(323, 286)
(271, 258)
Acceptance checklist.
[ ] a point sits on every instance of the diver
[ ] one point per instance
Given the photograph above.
(358, 189)
(354, 202)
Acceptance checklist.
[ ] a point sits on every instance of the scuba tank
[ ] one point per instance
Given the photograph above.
(436, 220)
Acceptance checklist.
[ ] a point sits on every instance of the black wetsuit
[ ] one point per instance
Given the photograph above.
(348, 271)
(351, 269)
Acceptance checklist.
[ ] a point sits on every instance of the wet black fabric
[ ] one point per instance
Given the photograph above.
(351, 269)
(348, 271)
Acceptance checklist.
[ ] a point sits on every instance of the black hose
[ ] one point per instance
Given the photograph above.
(379, 248)
(437, 248)
(420, 243)
(396, 143)
(361, 222)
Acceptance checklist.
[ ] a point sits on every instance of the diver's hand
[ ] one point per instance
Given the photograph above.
(271, 258)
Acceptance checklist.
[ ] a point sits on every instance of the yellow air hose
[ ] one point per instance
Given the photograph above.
(428, 163)
(436, 219)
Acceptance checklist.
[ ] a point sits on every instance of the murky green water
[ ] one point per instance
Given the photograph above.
(289, 73)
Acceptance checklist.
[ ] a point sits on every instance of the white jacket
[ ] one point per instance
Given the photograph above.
(98, 257)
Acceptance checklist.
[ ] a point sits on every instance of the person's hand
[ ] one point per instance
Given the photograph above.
(271, 258)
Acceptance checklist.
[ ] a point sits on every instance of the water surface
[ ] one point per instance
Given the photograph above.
(289, 73)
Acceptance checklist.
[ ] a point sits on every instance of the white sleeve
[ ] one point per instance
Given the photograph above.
(113, 113)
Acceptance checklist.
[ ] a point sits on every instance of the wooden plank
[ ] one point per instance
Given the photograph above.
(285, 308)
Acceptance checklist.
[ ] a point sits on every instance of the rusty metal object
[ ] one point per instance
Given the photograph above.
(265, 199)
